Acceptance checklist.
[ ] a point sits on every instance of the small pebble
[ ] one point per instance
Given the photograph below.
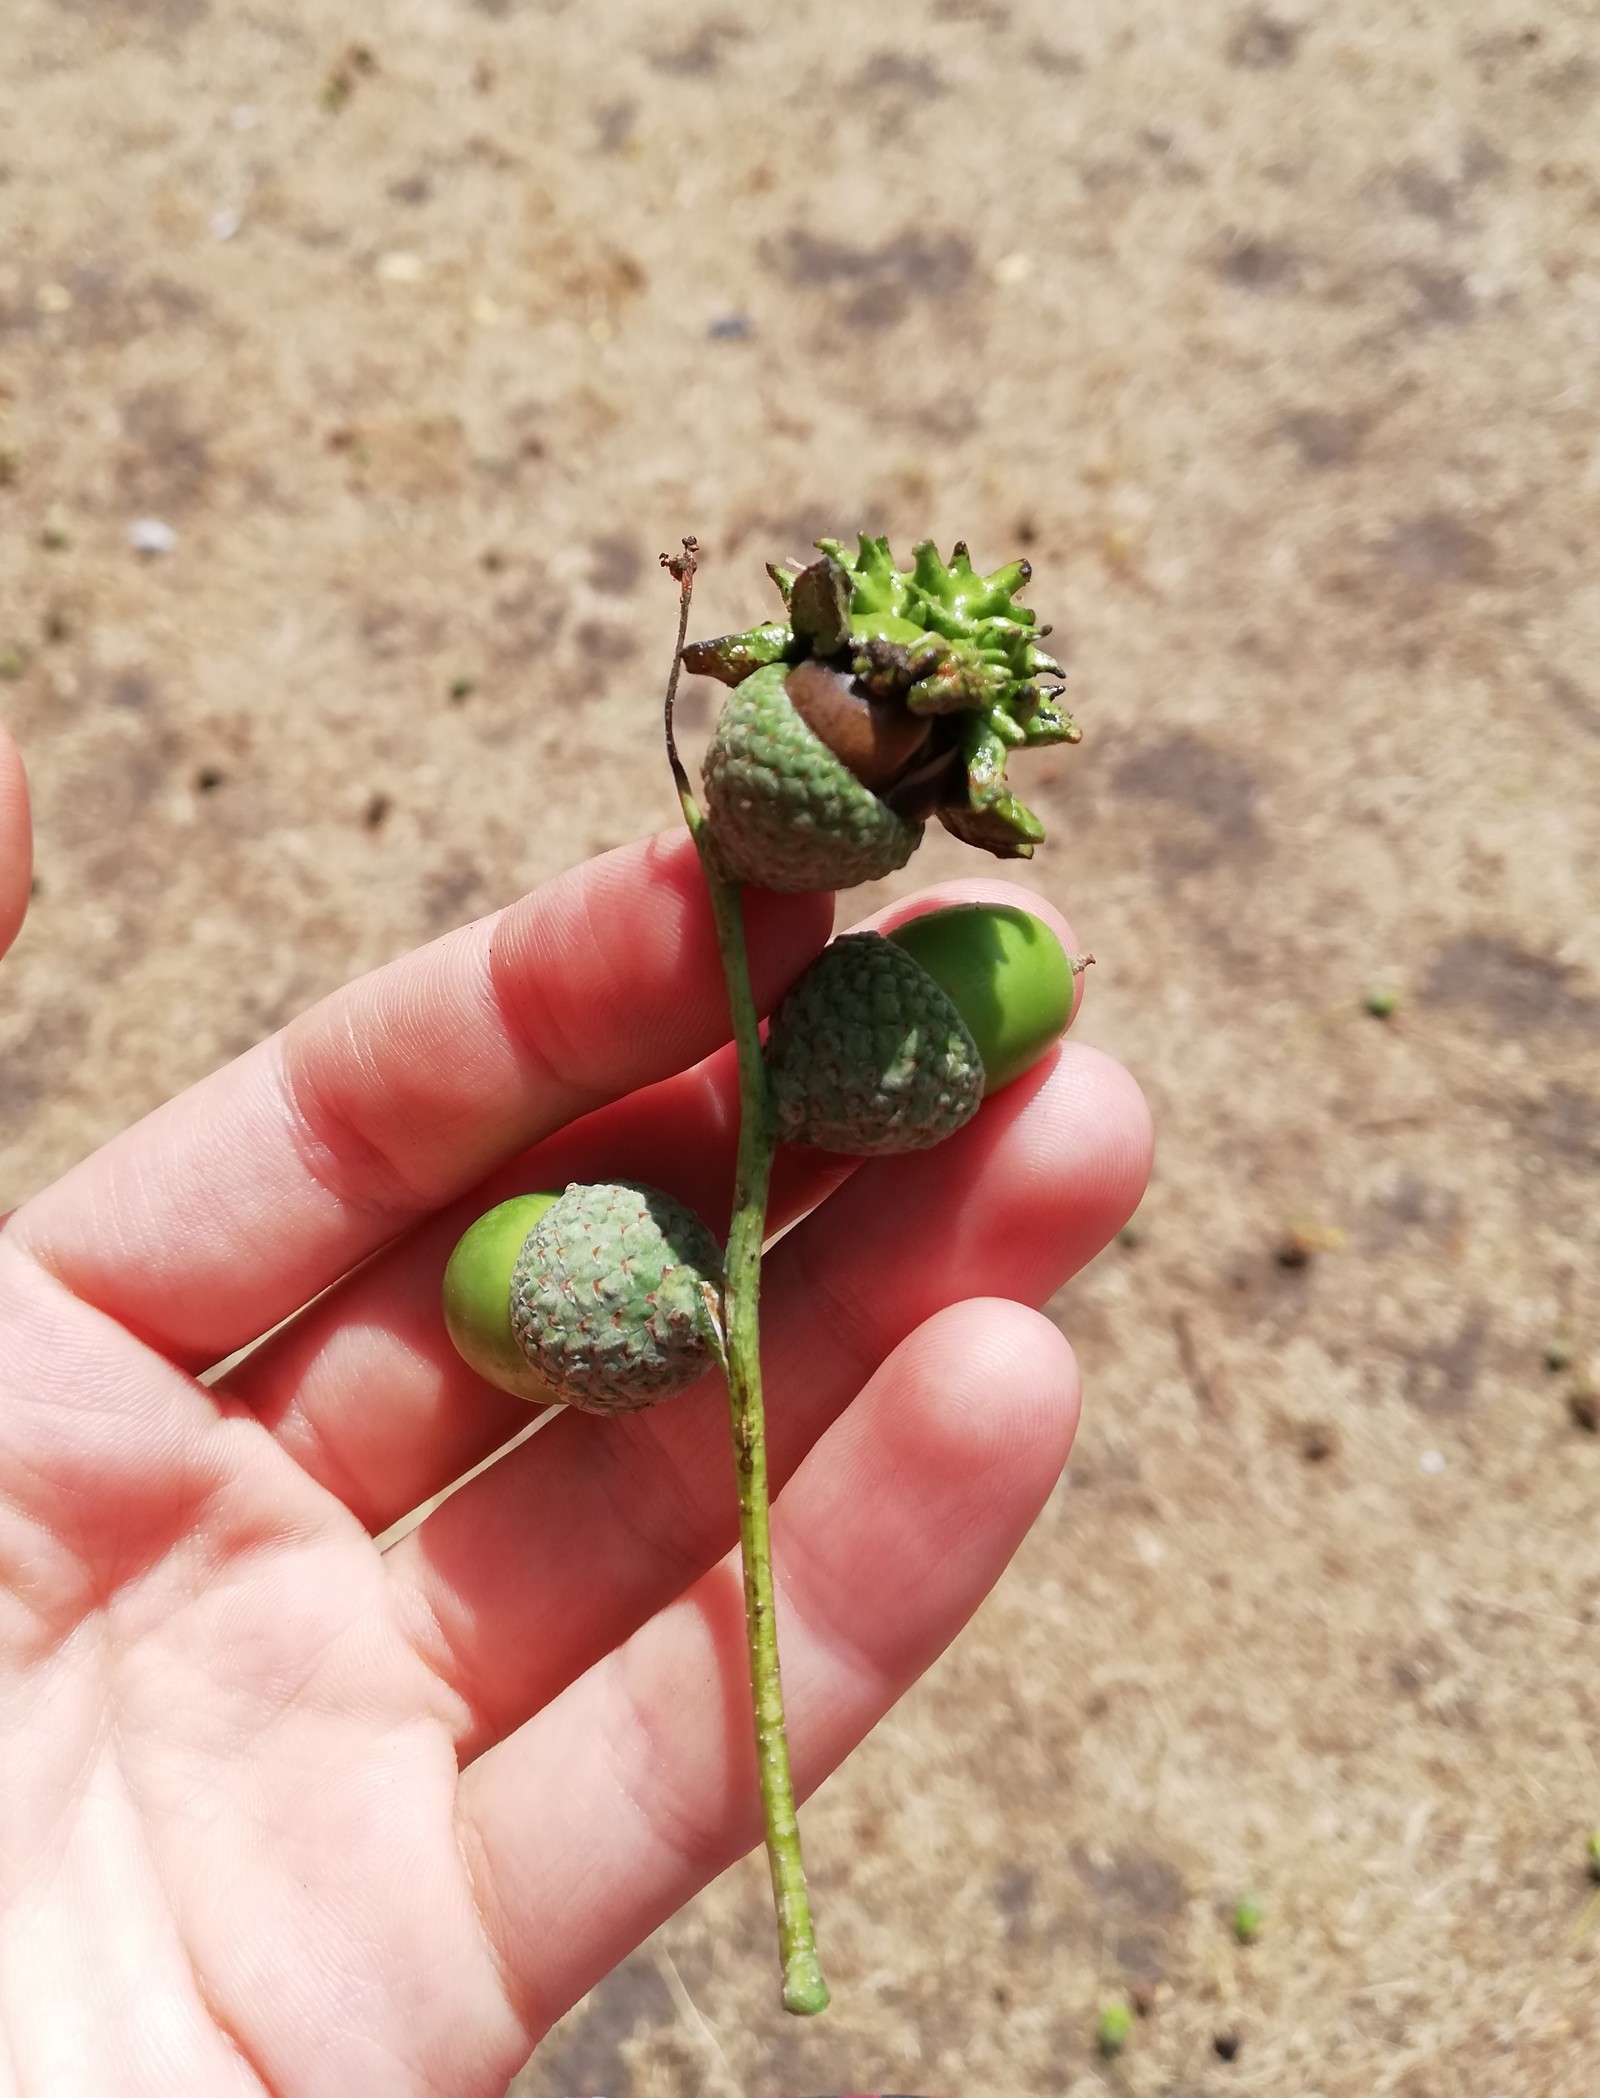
(148, 535)
(1432, 1462)
(1583, 1404)
(244, 116)
(730, 327)
(225, 224)
(1319, 1440)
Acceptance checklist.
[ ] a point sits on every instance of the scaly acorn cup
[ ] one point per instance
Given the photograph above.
(891, 1043)
(885, 697)
(607, 1297)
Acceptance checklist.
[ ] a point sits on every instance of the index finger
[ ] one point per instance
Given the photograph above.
(230, 1207)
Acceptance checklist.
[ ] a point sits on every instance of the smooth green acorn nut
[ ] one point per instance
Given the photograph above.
(1005, 972)
(477, 1297)
(890, 1044)
(616, 1297)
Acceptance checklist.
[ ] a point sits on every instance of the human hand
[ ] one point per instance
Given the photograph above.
(282, 1809)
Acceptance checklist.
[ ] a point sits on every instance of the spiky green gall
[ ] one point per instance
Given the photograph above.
(616, 1297)
(887, 696)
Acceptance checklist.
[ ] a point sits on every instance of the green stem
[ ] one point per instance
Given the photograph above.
(804, 1989)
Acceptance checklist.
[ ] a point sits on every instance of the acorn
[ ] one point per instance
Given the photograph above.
(607, 1297)
(892, 1042)
(887, 697)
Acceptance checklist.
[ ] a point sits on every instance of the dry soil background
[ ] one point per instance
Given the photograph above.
(1272, 338)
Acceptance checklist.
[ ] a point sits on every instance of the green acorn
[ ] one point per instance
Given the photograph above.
(890, 1044)
(606, 1297)
(887, 696)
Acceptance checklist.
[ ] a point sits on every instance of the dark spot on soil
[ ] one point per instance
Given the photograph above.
(1441, 1377)
(1137, 1897)
(1428, 195)
(1050, 58)
(1226, 2045)
(376, 812)
(452, 894)
(1440, 298)
(1323, 437)
(1420, 1670)
(412, 189)
(1573, 701)
(1013, 1897)
(601, 642)
(174, 15)
(1512, 989)
(1411, 1208)
(616, 566)
(1319, 1440)
(692, 708)
(1262, 43)
(165, 462)
(613, 124)
(526, 622)
(1562, 1128)
(881, 282)
(33, 1066)
(1215, 791)
(585, 2052)
(1583, 1409)
(209, 778)
(1435, 547)
(1574, 80)
(132, 689)
(894, 73)
(699, 56)
(1256, 264)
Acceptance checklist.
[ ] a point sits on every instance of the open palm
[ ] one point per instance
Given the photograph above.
(280, 1809)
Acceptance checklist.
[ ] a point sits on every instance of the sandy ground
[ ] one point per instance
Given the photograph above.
(1272, 339)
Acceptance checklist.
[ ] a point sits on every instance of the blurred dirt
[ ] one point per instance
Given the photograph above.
(1271, 337)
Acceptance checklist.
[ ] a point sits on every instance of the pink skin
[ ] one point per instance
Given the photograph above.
(284, 1811)
(16, 842)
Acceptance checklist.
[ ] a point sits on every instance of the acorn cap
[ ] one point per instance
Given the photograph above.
(785, 812)
(867, 1055)
(616, 1297)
